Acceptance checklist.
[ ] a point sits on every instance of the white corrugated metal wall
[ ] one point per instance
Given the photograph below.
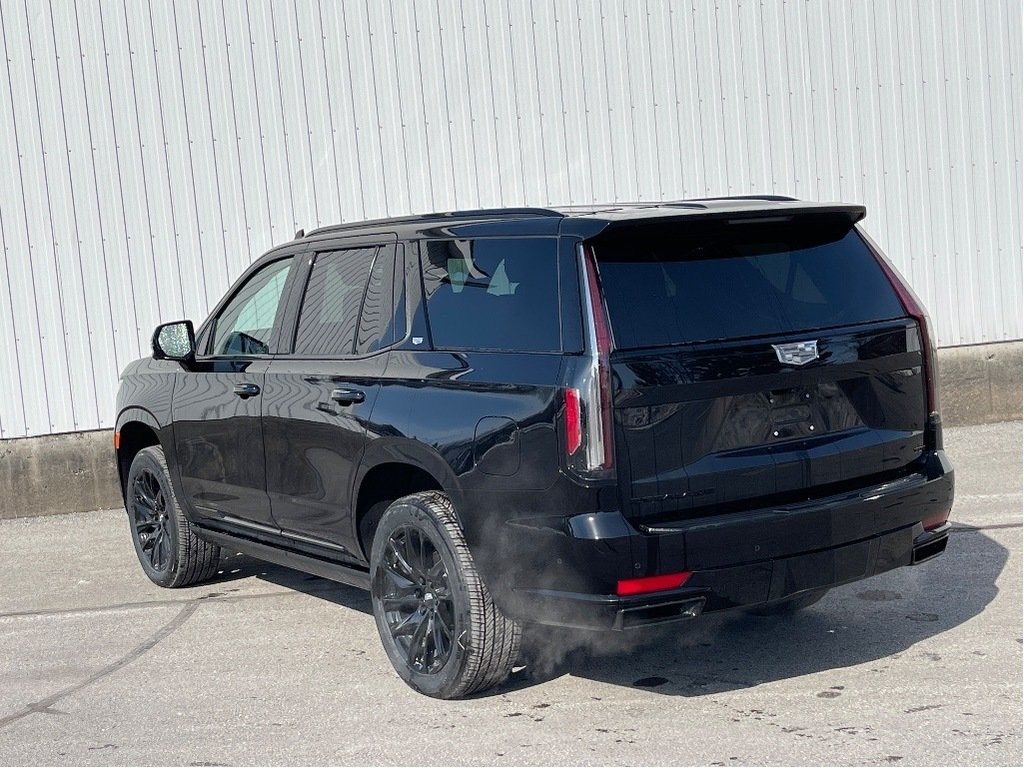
(150, 150)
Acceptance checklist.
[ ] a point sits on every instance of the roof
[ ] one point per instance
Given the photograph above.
(585, 220)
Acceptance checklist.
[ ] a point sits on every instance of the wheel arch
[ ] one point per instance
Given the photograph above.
(136, 429)
(387, 473)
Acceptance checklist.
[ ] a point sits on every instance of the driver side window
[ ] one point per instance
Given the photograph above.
(245, 325)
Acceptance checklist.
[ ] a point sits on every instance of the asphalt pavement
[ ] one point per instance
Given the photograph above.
(267, 665)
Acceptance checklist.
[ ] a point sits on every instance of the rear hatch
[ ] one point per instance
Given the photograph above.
(755, 362)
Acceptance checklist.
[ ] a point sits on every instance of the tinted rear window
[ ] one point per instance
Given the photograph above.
(720, 281)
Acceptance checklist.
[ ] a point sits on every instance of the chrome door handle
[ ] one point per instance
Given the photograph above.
(347, 396)
(246, 390)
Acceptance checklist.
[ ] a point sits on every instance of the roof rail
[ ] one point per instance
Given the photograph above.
(477, 213)
(770, 198)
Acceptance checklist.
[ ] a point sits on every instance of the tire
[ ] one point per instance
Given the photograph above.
(790, 604)
(169, 551)
(436, 619)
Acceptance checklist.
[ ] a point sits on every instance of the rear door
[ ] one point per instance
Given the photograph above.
(755, 363)
(319, 396)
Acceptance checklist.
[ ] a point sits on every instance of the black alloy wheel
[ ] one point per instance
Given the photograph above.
(169, 551)
(417, 599)
(437, 621)
(149, 515)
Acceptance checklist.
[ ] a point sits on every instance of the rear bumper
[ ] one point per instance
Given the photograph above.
(746, 558)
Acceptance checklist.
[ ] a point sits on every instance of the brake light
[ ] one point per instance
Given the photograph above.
(573, 424)
(645, 584)
(913, 306)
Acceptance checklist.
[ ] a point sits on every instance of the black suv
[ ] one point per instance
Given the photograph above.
(604, 417)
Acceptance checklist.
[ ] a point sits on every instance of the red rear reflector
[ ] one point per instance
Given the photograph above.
(935, 521)
(573, 425)
(652, 583)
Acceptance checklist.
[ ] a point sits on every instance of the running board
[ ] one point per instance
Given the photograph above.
(327, 569)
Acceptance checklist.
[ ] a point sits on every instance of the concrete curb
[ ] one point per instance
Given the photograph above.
(54, 474)
(75, 472)
(980, 384)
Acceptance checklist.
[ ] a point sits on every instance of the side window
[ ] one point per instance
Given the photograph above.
(245, 325)
(331, 306)
(492, 294)
(377, 323)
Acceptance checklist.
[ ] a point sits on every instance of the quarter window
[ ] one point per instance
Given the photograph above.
(246, 324)
(492, 294)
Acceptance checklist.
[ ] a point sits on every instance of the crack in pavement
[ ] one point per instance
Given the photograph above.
(45, 704)
(161, 603)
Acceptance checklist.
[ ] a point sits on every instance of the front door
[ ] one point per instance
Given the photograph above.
(217, 405)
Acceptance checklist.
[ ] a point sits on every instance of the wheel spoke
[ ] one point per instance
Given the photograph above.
(398, 585)
(417, 643)
(159, 550)
(409, 625)
(443, 614)
(398, 563)
(439, 639)
(402, 603)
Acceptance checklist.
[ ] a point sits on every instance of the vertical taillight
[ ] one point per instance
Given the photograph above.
(573, 425)
(588, 404)
(913, 306)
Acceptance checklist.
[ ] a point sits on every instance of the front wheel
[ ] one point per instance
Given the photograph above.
(169, 551)
(436, 619)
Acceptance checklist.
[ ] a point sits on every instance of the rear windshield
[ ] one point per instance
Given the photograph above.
(729, 281)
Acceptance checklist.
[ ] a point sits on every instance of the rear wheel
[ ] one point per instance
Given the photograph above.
(168, 550)
(790, 604)
(436, 619)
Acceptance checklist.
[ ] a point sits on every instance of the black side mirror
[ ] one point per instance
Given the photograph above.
(175, 341)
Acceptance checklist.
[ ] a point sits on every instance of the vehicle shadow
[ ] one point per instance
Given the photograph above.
(868, 621)
(239, 566)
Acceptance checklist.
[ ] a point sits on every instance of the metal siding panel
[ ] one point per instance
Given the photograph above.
(267, 103)
(41, 280)
(15, 370)
(547, 81)
(444, 195)
(480, 102)
(24, 411)
(388, 109)
(204, 133)
(167, 293)
(348, 165)
(217, 109)
(706, 53)
(731, 102)
(205, 252)
(457, 103)
(602, 175)
(93, 363)
(777, 103)
(643, 118)
(101, 213)
(752, 79)
(525, 99)
(1003, 43)
(296, 130)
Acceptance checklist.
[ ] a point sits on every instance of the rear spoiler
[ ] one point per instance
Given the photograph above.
(839, 214)
(787, 213)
